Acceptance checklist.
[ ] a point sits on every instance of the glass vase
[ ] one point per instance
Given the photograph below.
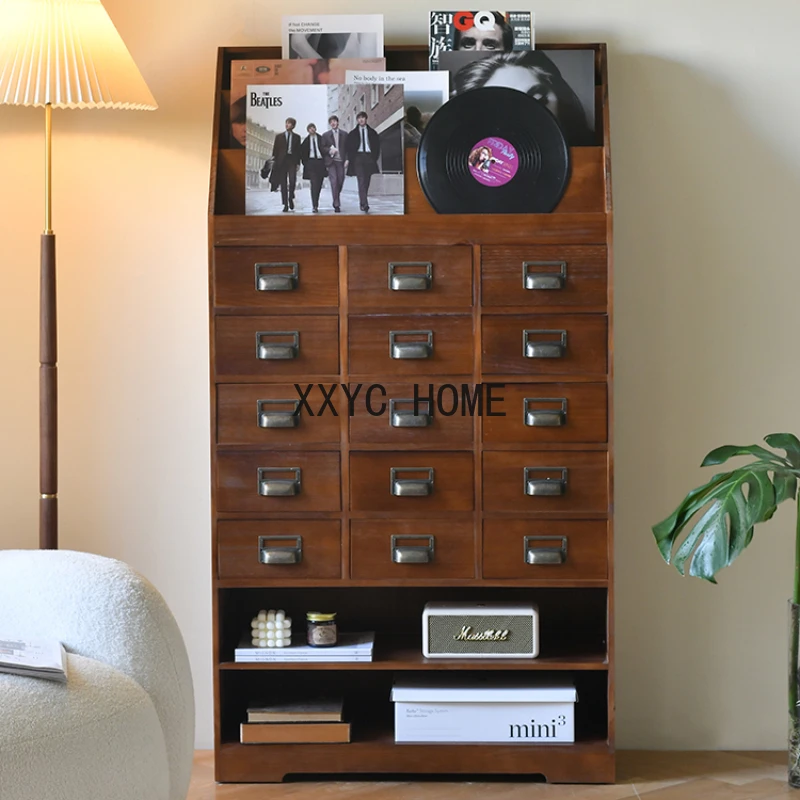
(794, 695)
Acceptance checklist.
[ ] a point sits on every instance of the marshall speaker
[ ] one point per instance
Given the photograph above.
(480, 630)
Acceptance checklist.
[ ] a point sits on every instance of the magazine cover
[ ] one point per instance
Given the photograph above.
(329, 149)
(561, 79)
(493, 31)
(286, 71)
(423, 93)
(333, 36)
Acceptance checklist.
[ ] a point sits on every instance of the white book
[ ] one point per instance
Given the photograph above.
(350, 645)
(288, 659)
(332, 36)
(33, 658)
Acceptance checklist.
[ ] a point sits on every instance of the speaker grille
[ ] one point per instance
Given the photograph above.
(443, 628)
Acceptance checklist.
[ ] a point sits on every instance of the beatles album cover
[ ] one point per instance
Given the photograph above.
(563, 80)
(481, 31)
(324, 149)
(286, 71)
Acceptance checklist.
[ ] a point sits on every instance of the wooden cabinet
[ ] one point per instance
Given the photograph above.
(435, 382)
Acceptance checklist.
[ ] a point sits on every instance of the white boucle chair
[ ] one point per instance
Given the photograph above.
(122, 727)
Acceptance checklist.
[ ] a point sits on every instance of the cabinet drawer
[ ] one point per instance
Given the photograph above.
(545, 344)
(545, 277)
(411, 549)
(411, 482)
(411, 345)
(283, 549)
(267, 348)
(389, 417)
(550, 482)
(272, 414)
(418, 278)
(547, 413)
(272, 481)
(276, 279)
(557, 550)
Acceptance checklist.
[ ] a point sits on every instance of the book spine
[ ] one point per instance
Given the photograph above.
(299, 659)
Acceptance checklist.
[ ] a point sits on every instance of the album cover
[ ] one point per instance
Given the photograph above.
(333, 36)
(325, 149)
(563, 80)
(479, 31)
(423, 92)
(286, 71)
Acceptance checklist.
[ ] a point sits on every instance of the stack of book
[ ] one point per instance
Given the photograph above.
(351, 647)
(296, 722)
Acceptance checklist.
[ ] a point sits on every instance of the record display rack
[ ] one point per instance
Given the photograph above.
(484, 299)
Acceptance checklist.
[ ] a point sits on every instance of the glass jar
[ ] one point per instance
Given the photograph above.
(322, 631)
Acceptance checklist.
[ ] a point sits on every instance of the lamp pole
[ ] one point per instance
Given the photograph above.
(48, 370)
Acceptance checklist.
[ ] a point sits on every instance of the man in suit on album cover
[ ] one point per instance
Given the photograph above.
(286, 152)
(363, 152)
(313, 163)
(333, 150)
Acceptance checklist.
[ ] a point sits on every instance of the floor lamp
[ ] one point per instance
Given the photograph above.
(60, 54)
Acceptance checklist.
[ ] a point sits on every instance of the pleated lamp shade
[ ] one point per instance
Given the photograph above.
(66, 53)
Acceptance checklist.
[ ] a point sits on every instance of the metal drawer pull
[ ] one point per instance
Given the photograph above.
(277, 351)
(406, 418)
(279, 487)
(279, 418)
(410, 281)
(412, 553)
(411, 349)
(543, 281)
(280, 281)
(547, 486)
(411, 487)
(545, 417)
(271, 554)
(545, 555)
(543, 348)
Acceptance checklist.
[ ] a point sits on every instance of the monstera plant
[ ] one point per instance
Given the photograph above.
(715, 523)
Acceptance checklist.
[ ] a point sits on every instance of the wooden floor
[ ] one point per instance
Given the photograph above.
(654, 775)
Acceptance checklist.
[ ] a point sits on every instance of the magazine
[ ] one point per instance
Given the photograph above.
(564, 80)
(286, 71)
(479, 31)
(333, 36)
(423, 94)
(329, 149)
(34, 658)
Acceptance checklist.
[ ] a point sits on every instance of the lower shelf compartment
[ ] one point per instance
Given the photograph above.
(586, 761)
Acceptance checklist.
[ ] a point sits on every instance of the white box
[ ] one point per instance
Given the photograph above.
(480, 630)
(476, 712)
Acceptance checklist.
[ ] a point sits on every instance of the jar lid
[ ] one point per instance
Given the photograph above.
(317, 616)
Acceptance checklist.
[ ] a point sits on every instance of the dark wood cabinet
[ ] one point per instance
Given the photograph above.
(505, 346)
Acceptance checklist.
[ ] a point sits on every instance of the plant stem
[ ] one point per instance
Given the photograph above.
(796, 597)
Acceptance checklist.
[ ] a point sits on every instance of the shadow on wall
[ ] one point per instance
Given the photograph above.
(705, 281)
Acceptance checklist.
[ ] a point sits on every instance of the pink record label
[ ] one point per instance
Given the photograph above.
(493, 161)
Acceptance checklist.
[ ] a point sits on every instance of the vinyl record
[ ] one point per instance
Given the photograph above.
(493, 150)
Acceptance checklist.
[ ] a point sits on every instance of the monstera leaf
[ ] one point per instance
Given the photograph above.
(730, 505)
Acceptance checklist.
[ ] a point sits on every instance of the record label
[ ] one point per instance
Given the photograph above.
(493, 161)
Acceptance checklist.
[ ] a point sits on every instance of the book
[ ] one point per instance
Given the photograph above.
(351, 647)
(423, 94)
(34, 658)
(294, 733)
(562, 80)
(332, 36)
(248, 72)
(319, 710)
(478, 31)
(320, 148)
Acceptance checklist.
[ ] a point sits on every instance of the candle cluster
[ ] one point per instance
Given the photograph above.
(271, 629)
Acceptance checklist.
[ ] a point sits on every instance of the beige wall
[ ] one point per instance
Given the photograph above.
(705, 114)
